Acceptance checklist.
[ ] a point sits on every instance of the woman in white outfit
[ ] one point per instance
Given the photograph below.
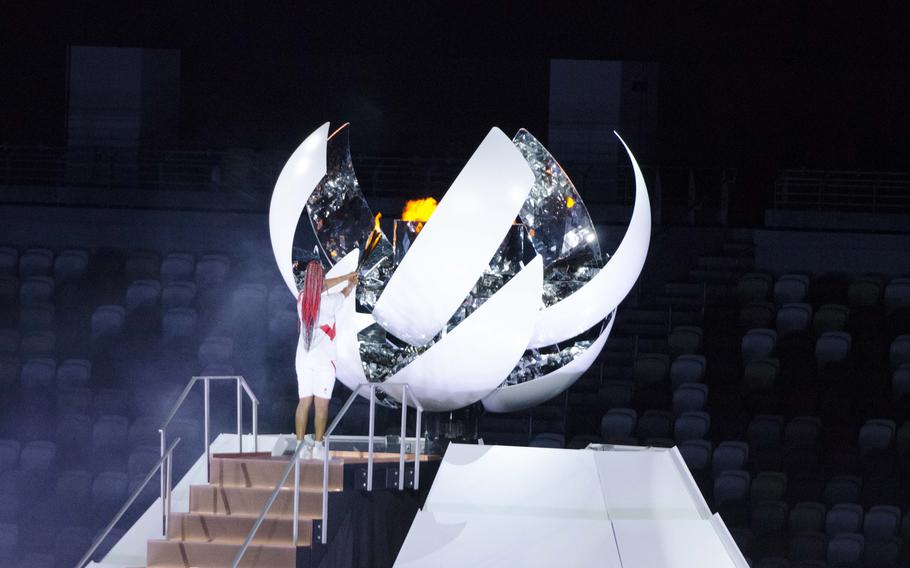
(315, 364)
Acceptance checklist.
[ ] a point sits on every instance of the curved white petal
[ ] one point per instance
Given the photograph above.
(301, 174)
(349, 368)
(593, 301)
(531, 393)
(457, 243)
(471, 361)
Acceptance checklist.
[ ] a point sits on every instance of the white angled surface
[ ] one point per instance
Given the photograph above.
(471, 360)
(517, 481)
(643, 484)
(593, 301)
(457, 243)
(441, 540)
(531, 393)
(301, 174)
(671, 544)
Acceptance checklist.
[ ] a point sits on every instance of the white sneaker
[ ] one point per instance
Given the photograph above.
(318, 451)
(307, 451)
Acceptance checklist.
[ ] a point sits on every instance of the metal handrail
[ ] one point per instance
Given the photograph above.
(295, 463)
(242, 387)
(165, 476)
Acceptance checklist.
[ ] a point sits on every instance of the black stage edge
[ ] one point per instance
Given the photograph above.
(367, 529)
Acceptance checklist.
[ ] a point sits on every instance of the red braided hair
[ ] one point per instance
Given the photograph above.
(308, 300)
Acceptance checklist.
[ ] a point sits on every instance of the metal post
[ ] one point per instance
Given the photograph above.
(417, 438)
(401, 439)
(255, 426)
(296, 493)
(325, 488)
(169, 469)
(239, 417)
(208, 472)
(163, 491)
(372, 429)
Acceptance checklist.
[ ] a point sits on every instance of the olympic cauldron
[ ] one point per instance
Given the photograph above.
(504, 296)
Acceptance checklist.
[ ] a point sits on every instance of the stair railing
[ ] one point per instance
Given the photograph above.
(242, 387)
(294, 463)
(163, 464)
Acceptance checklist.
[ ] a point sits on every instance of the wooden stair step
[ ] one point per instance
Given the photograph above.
(173, 554)
(244, 501)
(264, 471)
(233, 529)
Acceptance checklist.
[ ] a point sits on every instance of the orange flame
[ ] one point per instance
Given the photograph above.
(418, 210)
(570, 203)
(376, 222)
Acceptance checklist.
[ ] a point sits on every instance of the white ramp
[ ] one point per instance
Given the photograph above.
(624, 508)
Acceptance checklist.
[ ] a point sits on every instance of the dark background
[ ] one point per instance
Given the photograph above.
(821, 85)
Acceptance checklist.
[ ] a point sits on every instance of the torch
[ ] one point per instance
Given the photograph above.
(372, 242)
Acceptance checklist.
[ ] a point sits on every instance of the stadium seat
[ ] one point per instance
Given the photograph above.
(881, 522)
(548, 440)
(756, 315)
(113, 402)
(109, 493)
(109, 437)
(793, 317)
(615, 394)
(212, 270)
(882, 553)
(36, 317)
(107, 321)
(74, 401)
(791, 288)
(142, 294)
(178, 295)
(844, 518)
(142, 265)
(9, 342)
(808, 546)
(654, 424)
(38, 344)
(729, 456)
(900, 381)
(876, 434)
(142, 459)
(9, 374)
(687, 369)
(758, 344)
(38, 373)
(35, 262)
(696, 454)
(807, 516)
(73, 496)
(691, 426)
(9, 496)
(831, 317)
(802, 432)
(70, 265)
(685, 340)
(651, 369)
(832, 347)
(143, 432)
(74, 373)
(903, 439)
(178, 325)
(846, 550)
(753, 287)
(177, 266)
(690, 397)
(865, 291)
(618, 423)
(36, 290)
(769, 517)
(843, 489)
(9, 260)
(74, 439)
(900, 351)
(768, 486)
(731, 492)
(765, 431)
(897, 294)
(760, 374)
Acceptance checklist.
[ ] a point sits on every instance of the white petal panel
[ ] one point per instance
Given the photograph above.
(456, 244)
(349, 368)
(593, 301)
(303, 171)
(531, 393)
(471, 361)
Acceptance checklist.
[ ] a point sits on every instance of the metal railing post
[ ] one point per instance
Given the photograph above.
(255, 425)
(401, 439)
(418, 436)
(164, 508)
(169, 469)
(296, 495)
(372, 431)
(239, 416)
(206, 431)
